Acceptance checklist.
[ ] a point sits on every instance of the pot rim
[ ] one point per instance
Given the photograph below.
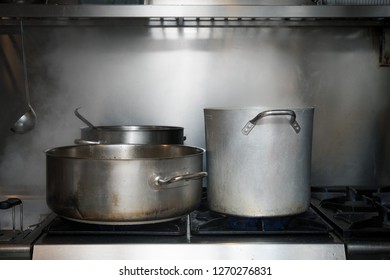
(136, 128)
(258, 108)
(58, 152)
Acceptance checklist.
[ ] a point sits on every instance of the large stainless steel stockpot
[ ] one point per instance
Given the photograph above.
(124, 184)
(259, 160)
(131, 134)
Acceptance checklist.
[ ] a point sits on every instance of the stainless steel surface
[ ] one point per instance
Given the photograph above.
(205, 11)
(8, 25)
(26, 122)
(133, 134)
(200, 249)
(11, 251)
(180, 71)
(230, 2)
(385, 47)
(110, 184)
(367, 250)
(354, 2)
(263, 174)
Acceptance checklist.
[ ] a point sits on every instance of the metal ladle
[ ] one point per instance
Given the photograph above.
(27, 121)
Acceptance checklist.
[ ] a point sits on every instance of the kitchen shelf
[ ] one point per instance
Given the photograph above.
(318, 12)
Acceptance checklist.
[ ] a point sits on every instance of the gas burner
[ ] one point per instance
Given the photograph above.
(358, 220)
(349, 201)
(383, 209)
(207, 222)
(355, 212)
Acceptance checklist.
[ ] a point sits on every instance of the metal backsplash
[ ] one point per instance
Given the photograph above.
(166, 76)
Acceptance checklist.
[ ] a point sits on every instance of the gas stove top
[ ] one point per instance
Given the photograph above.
(360, 217)
(341, 223)
(202, 234)
(160, 243)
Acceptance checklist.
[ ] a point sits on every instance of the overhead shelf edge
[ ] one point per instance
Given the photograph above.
(193, 11)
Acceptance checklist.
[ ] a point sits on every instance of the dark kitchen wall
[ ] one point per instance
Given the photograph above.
(166, 76)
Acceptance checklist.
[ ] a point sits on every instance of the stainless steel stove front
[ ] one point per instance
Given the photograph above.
(188, 247)
(191, 251)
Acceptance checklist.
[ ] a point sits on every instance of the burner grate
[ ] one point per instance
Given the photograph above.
(355, 212)
(210, 223)
(61, 226)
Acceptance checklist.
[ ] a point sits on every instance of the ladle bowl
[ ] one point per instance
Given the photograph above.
(26, 122)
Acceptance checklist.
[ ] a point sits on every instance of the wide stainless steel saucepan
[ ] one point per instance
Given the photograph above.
(124, 184)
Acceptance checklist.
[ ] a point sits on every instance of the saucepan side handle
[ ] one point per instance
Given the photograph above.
(251, 124)
(159, 181)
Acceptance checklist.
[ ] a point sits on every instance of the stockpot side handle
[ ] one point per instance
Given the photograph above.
(251, 124)
(165, 182)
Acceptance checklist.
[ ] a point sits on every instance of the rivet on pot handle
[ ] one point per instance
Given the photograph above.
(251, 124)
(159, 182)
